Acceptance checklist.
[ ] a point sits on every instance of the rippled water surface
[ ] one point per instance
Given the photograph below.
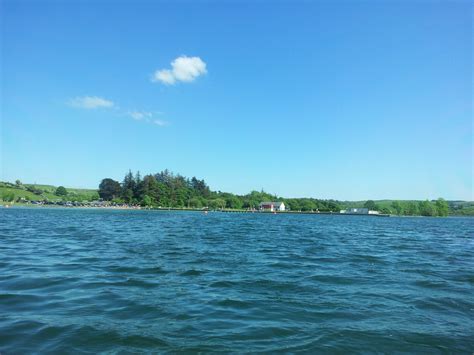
(85, 281)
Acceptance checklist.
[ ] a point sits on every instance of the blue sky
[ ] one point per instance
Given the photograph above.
(347, 100)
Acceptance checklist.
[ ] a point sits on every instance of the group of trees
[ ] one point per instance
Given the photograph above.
(162, 189)
(420, 208)
(412, 208)
(166, 189)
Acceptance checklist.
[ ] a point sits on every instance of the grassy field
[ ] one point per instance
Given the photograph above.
(52, 189)
(9, 191)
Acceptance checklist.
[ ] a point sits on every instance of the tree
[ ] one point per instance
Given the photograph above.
(18, 183)
(149, 186)
(442, 207)
(127, 195)
(217, 203)
(200, 187)
(128, 184)
(385, 210)
(8, 196)
(234, 202)
(307, 205)
(333, 206)
(426, 208)
(137, 189)
(93, 196)
(34, 189)
(195, 202)
(397, 207)
(293, 204)
(146, 201)
(61, 191)
(411, 209)
(109, 189)
(371, 205)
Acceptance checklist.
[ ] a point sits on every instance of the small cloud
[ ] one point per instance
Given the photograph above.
(160, 123)
(90, 102)
(184, 69)
(140, 115)
(94, 102)
(147, 117)
(165, 76)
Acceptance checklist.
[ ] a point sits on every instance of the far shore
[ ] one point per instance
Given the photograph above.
(186, 209)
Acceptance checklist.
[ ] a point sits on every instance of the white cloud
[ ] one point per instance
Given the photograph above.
(160, 123)
(148, 117)
(184, 69)
(165, 76)
(90, 102)
(140, 115)
(94, 102)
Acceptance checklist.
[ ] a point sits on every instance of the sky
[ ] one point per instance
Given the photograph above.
(350, 100)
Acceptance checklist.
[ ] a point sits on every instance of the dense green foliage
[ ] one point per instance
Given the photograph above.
(168, 190)
(461, 208)
(371, 205)
(109, 189)
(61, 191)
(420, 208)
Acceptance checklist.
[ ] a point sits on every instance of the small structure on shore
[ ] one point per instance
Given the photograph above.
(272, 206)
(359, 211)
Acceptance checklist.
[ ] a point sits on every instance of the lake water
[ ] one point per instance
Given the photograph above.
(86, 281)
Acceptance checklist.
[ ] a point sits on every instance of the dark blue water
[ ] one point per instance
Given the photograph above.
(85, 281)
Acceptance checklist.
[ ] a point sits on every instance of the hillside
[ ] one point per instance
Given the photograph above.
(31, 192)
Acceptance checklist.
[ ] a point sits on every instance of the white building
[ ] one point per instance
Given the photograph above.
(359, 211)
(356, 211)
(272, 206)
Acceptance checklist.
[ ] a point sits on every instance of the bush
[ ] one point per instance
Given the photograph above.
(34, 190)
(8, 196)
(61, 191)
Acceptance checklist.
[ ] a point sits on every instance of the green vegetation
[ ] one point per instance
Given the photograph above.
(19, 192)
(371, 205)
(168, 190)
(61, 191)
(439, 207)
(109, 189)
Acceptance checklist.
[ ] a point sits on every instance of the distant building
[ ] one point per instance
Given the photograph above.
(356, 211)
(359, 211)
(272, 206)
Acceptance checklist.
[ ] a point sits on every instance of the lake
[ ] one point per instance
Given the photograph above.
(87, 281)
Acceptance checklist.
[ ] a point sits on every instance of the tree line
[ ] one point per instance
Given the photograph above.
(439, 207)
(420, 208)
(166, 189)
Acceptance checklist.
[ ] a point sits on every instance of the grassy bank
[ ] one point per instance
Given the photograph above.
(33, 192)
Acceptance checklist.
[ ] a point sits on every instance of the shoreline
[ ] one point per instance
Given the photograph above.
(139, 208)
(185, 209)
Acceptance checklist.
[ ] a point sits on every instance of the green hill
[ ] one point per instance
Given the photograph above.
(13, 192)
